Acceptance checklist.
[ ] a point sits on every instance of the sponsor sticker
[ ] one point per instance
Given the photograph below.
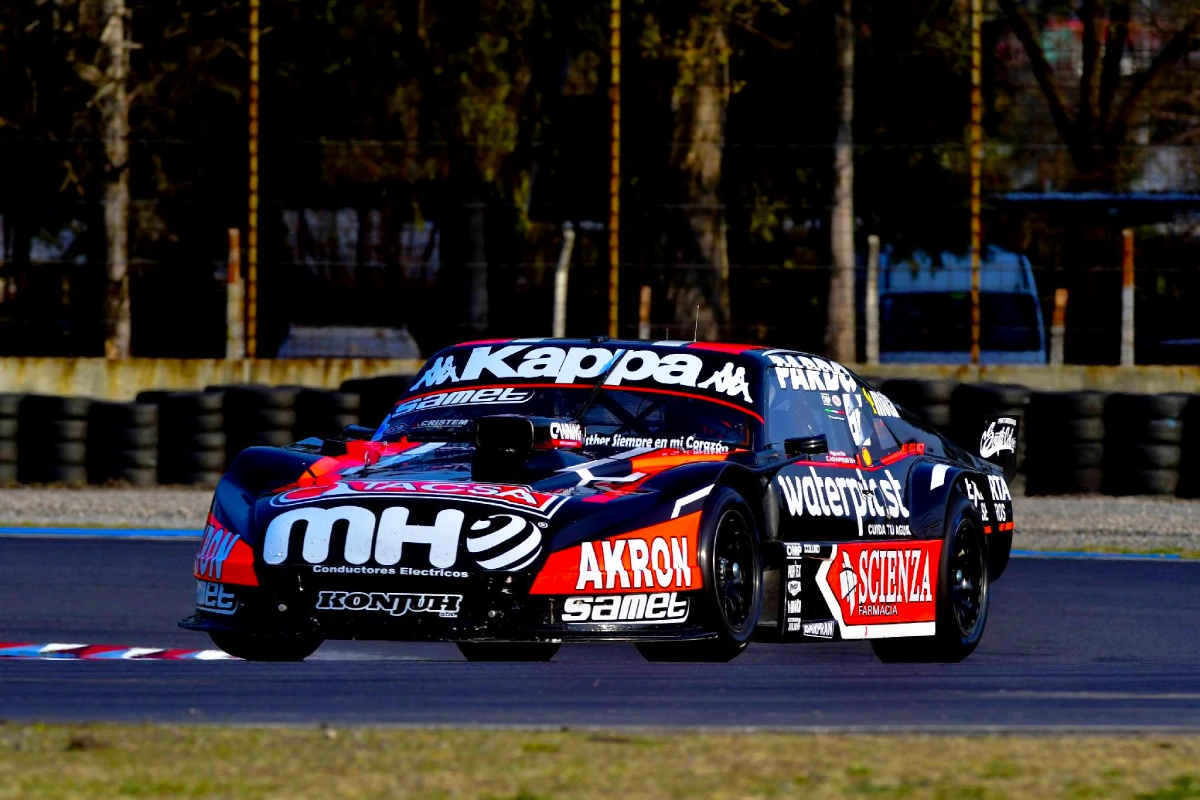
(397, 604)
(215, 598)
(655, 607)
(999, 436)
(499, 542)
(821, 629)
(566, 365)
(654, 559)
(860, 498)
(810, 373)
(509, 495)
(881, 584)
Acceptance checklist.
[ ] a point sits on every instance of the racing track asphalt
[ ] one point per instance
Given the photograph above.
(1075, 644)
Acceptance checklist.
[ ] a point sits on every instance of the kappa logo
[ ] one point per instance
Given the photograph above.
(395, 603)
(996, 441)
(569, 365)
(496, 542)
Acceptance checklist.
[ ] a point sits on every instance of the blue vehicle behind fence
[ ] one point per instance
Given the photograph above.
(925, 310)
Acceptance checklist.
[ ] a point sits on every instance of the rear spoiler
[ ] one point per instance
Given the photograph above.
(998, 444)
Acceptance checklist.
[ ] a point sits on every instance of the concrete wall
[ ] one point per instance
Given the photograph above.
(122, 380)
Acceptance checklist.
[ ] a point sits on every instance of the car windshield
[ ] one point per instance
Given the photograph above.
(618, 419)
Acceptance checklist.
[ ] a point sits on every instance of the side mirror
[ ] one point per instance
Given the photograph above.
(359, 432)
(806, 445)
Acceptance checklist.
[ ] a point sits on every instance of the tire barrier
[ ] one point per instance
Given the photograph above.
(52, 439)
(928, 400)
(324, 414)
(257, 416)
(10, 407)
(1143, 443)
(1064, 432)
(122, 444)
(191, 436)
(377, 396)
(1070, 443)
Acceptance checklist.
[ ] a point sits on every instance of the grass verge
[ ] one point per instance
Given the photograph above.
(72, 761)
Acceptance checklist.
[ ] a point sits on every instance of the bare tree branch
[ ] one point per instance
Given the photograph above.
(1042, 71)
(1172, 51)
(1089, 13)
(1114, 50)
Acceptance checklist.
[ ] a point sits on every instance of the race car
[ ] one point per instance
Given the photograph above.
(688, 497)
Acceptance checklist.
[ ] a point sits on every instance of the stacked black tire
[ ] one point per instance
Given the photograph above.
(52, 439)
(122, 444)
(258, 416)
(1064, 432)
(377, 396)
(10, 408)
(1143, 443)
(324, 414)
(928, 400)
(1189, 459)
(191, 436)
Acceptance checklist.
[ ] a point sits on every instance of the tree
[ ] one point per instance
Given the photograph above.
(840, 326)
(695, 39)
(106, 21)
(1101, 123)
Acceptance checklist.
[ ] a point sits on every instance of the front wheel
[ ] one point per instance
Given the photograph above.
(266, 648)
(508, 651)
(732, 599)
(962, 598)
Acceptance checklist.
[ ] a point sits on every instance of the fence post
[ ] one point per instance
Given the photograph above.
(560, 281)
(644, 313)
(1058, 328)
(1127, 298)
(235, 335)
(872, 300)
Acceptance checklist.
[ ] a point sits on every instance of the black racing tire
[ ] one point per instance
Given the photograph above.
(188, 477)
(322, 402)
(62, 430)
(268, 437)
(190, 404)
(53, 453)
(266, 648)
(173, 425)
(124, 415)
(963, 596)
(257, 398)
(937, 416)
(730, 559)
(122, 438)
(1154, 456)
(8, 451)
(8, 428)
(912, 393)
(107, 460)
(1144, 481)
(132, 476)
(1050, 408)
(37, 408)
(1086, 480)
(10, 405)
(245, 421)
(8, 473)
(508, 651)
(205, 460)
(1145, 406)
(71, 474)
(212, 441)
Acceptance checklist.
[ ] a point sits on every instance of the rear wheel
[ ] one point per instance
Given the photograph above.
(508, 651)
(267, 648)
(963, 598)
(733, 591)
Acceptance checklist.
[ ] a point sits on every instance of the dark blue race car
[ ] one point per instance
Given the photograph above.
(688, 497)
